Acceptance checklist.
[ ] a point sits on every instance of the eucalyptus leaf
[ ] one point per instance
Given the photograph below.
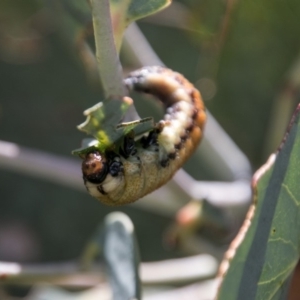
(125, 12)
(104, 124)
(265, 260)
(102, 119)
(141, 8)
(88, 145)
(138, 127)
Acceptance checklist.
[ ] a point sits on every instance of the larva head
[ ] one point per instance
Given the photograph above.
(104, 177)
(94, 168)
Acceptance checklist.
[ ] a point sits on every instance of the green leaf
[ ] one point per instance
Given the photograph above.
(116, 242)
(103, 123)
(88, 145)
(121, 256)
(102, 119)
(123, 12)
(265, 260)
(138, 127)
(139, 9)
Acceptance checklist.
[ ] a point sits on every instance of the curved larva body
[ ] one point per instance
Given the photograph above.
(145, 165)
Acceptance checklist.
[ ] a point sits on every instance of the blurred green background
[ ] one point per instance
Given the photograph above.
(240, 54)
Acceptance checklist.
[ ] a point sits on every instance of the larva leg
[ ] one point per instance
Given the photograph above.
(128, 147)
(142, 166)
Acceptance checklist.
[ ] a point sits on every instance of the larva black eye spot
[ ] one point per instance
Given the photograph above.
(94, 168)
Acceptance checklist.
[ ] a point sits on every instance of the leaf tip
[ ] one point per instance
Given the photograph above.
(90, 110)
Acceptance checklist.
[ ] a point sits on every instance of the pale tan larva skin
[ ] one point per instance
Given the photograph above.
(152, 164)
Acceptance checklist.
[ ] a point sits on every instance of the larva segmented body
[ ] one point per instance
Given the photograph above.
(142, 166)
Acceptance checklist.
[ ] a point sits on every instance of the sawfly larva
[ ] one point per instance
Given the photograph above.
(141, 166)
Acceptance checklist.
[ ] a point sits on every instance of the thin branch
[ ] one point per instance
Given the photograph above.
(173, 271)
(203, 290)
(109, 65)
(66, 172)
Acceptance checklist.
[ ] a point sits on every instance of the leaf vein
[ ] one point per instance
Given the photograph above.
(285, 271)
(290, 194)
(282, 240)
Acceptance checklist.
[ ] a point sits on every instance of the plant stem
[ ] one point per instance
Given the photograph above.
(109, 65)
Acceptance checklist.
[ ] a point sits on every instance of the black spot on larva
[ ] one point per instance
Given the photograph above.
(195, 113)
(178, 146)
(138, 158)
(128, 147)
(115, 168)
(112, 155)
(150, 140)
(100, 189)
(184, 138)
(190, 128)
(172, 155)
(164, 163)
(143, 140)
(122, 152)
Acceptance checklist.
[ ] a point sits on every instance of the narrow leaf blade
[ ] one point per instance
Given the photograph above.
(264, 261)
